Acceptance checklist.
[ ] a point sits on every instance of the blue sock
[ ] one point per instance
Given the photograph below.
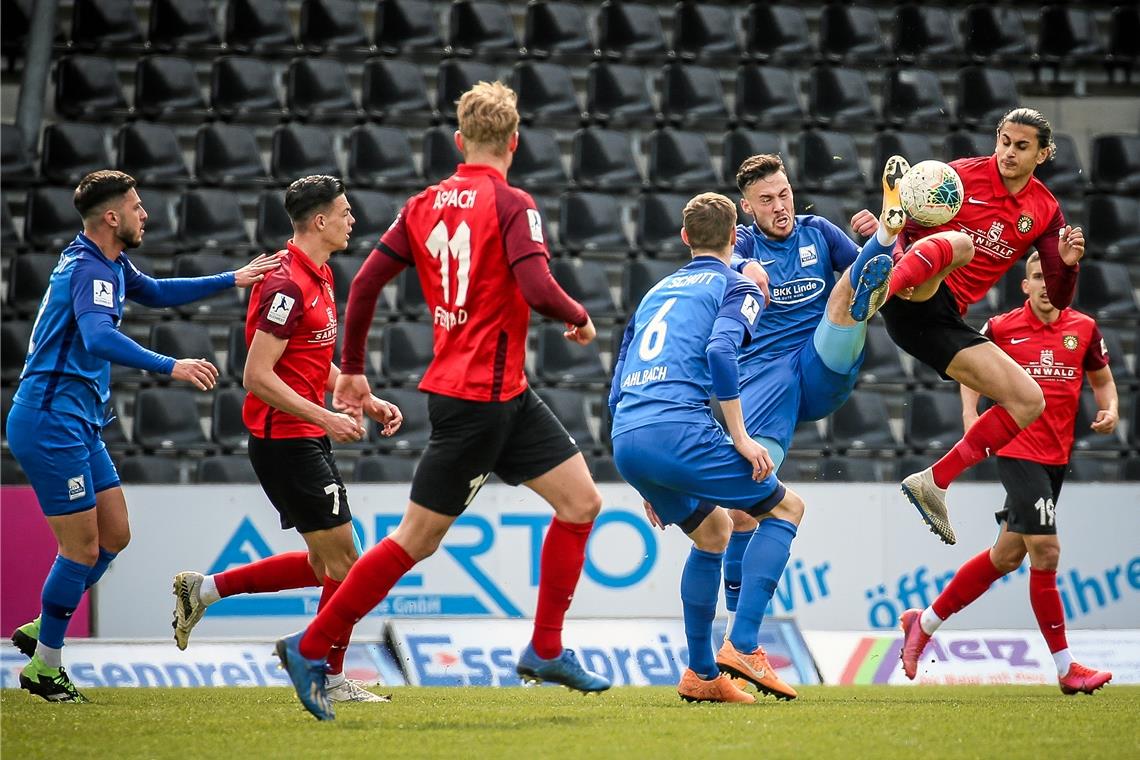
(62, 591)
(871, 249)
(764, 563)
(840, 347)
(700, 582)
(733, 556)
(100, 566)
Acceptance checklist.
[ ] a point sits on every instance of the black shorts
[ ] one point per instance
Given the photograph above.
(518, 440)
(931, 331)
(300, 477)
(1031, 493)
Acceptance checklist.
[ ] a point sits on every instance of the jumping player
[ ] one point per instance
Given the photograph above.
(1005, 212)
(291, 332)
(478, 249)
(1057, 347)
(680, 348)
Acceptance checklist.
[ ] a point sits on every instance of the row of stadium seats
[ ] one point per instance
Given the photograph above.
(1066, 33)
(1105, 289)
(168, 418)
(249, 89)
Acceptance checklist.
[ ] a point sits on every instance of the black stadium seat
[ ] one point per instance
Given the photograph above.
(183, 26)
(167, 88)
(964, 144)
(384, 469)
(1067, 35)
(586, 283)
(150, 153)
(705, 32)
(912, 99)
(1104, 290)
(260, 27)
(481, 28)
(50, 218)
(829, 162)
(558, 361)
(841, 469)
(17, 164)
(1116, 163)
(630, 31)
(374, 211)
(167, 418)
(767, 96)
(932, 420)
(88, 88)
(882, 363)
(182, 340)
(212, 218)
(680, 160)
(985, 95)
(332, 27)
(994, 33)
(617, 94)
(914, 146)
(394, 90)
(659, 223)
(739, 144)
(591, 222)
(410, 295)
(415, 430)
(556, 29)
(227, 428)
(1063, 173)
(14, 337)
(546, 94)
(778, 33)
(226, 468)
(637, 278)
(149, 468)
(300, 150)
(317, 89)
(236, 352)
(456, 77)
(538, 161)
(1123, 43)
(407, 351)
(862, 423)
(71, 151)
(227, 303)
(602, 159)
(692, 95)
(440, 154)
(1084, 437)
(925, 34)
(244, 89)
(9, 239)
(406, 26)
(850, 34)
(1114, 226)
(571, 409)
(840, 98)
(227, 155)
(110, 25)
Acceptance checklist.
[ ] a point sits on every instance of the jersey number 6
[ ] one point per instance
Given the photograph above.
(653, 341)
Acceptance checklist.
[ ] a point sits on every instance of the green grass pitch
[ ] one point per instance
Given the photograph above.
(825, 722)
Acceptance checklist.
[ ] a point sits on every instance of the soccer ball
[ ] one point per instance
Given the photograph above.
(931, 193)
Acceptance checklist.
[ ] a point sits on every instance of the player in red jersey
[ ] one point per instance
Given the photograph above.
(291, 329)
(478, 249)
(1057, 347)
(1005, 212)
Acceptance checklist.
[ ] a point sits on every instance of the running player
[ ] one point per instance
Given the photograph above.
(478, 248)
(1057, 347)
(291, 332)
(55, 426)
(1006, 211)
(680, 348)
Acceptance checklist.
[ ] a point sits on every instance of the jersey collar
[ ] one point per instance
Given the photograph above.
(88, 244)
(710, 262)
(479, 170)
(320, 273)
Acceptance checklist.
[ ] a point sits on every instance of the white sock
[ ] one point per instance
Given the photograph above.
(731, 620)
(208, 592)
(333, 680)
(885, 238)
(1063, 660)
(929, 621)
(51, 657)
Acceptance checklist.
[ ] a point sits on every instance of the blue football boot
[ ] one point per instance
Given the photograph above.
(564, 669)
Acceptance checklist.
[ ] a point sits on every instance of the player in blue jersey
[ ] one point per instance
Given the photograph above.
(804, 364)
(60, 407)
(681, 348)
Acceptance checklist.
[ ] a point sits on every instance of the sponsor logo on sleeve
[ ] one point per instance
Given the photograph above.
(750, 309)
(280, 309)
(104, 293)
(535, 222)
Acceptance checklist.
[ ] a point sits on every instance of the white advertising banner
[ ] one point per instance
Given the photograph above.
(862, 556)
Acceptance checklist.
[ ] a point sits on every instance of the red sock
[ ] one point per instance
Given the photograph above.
(336, 654)
(925, 259)
(563, 554)
(1046, 602)
(276, 573)
(994, 429)
(971, 581)
(367, 583)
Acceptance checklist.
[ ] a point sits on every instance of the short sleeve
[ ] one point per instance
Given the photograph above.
(280, 308)
(520, 224)
(394, 241)
(988, 329)
(743, 303)
(1096, 355)
(743, 247)
(94, 288)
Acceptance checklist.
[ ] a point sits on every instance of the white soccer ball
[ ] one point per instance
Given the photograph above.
(931, 193)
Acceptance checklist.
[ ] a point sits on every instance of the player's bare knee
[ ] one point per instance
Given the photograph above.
(84, 554)
(962, 246)
(582, 509)
(115, 542)
(713, 533)
(1045, 555)
(1028, 404)
(741, 520)
(1006, 559)
(790, 508)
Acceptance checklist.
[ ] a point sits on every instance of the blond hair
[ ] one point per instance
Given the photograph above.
(709, 220)
(488, 116)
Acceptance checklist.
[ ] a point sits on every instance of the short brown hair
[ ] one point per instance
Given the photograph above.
(488, 115)
(98, 187)
(758, 167)
(310, 194)
(709, 220)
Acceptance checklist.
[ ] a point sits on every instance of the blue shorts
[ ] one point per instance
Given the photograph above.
(790, 388)
(686, 471)
(63, 456)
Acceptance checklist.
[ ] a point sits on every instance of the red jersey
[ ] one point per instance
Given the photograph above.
(295, 302)
(1003, 227)
(1056, 355)
(462, 236)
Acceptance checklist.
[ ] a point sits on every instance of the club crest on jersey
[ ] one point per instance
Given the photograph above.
(1069, 342)
(104, 293)
(995, 231)
(535, 222)
(280, 308)
(1024, 223)
(1046, 357)
(750, 309)
(808, 256)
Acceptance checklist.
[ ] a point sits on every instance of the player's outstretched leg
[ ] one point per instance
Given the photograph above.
(565, 669)
(870, 274)
(930, 501)
(308, 676)
(871, 287)
(188, 605)
(915, 640)
(52, 684)
(26, 637)
(893, 218)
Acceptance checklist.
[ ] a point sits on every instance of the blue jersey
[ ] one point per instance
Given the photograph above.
(801, 272)
(60, 374)
(663, 373)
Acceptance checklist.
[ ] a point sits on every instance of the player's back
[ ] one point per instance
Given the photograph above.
(463, 235)
(665, 374)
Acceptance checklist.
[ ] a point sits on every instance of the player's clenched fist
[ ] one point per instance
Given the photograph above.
(198, 372)
(386, 413)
